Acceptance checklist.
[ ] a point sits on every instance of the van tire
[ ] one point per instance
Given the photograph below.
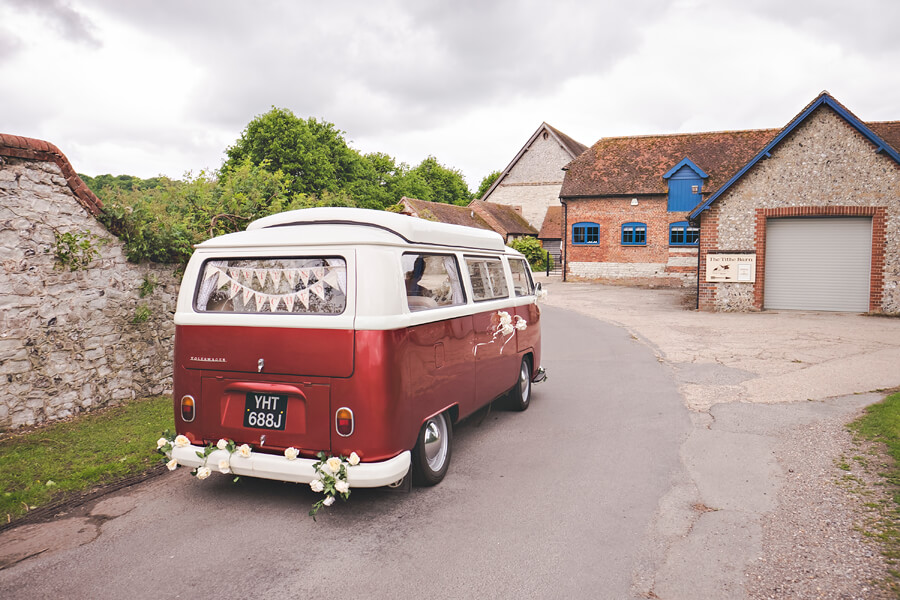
(431, 456)
(520, 396)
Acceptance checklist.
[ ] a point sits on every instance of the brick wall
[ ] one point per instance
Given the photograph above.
(823, 168)
(656, 262)
(68, 342)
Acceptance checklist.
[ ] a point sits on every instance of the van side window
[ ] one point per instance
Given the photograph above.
(309, 285)
(521, 274)
(432, 281)
(488, 279)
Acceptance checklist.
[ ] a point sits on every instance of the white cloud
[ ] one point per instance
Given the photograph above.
(164, 87)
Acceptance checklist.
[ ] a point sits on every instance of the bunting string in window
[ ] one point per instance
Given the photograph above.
(239, 283)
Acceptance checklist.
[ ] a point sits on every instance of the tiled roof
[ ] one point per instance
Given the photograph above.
(16, 146)
(552, 227)
(575, 148)
(889, 131)
(823, 99)
(504, 219)
(636, 165)
(445, 213)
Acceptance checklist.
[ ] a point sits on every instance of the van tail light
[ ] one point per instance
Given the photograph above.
(187, 409)
(343, 421)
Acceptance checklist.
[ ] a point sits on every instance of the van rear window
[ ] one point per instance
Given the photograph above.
(308, 285)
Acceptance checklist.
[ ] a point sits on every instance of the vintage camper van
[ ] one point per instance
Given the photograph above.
(343, 330)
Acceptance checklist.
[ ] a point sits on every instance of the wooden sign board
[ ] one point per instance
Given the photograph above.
(732, 268)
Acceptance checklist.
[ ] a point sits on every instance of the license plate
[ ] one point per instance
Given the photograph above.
(265, 411)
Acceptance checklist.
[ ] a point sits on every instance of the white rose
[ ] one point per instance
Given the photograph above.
(354, 459)
(244, 450)
(161, 442)
(181, 441)
(203, 472)
(224, 467)
(328, 501)
(222, 444)
(342, 486)
(506, 329)
(172, 464)
(521, 323)
(291, 453)
(505, 319)
(334, 463)
(316, 485)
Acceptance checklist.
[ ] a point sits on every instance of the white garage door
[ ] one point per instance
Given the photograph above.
(818, 263)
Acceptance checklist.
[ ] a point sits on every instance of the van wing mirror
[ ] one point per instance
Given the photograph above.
(537, 288)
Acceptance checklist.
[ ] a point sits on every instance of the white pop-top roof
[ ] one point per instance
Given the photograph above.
(411, 229)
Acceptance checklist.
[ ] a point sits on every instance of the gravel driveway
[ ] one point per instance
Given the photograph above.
(768, 502)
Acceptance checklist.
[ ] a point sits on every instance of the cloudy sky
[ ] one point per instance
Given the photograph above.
(148, 87)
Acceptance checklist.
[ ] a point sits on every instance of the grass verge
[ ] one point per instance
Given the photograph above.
(881, 425)
(52, 462)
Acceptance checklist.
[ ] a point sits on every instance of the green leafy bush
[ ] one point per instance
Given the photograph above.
(533, 251)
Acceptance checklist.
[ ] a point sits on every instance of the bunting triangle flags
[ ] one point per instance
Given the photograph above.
(234, 289)
(247, 275)
(303, 297)
(333, 279)
(289, 302)
(291, 276)
(223, 280)
(304, 276)
(275, 276)
(247, 295)
(273, 303)
(318, 289)
(319, 272)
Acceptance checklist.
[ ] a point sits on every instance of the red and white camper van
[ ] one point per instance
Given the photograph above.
(342, 330)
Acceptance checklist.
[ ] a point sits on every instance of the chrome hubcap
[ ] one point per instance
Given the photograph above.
(435, 442)
(525, 382)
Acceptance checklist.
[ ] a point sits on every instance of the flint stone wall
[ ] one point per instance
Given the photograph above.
(534, 181)
(68, 340)
(824, 162)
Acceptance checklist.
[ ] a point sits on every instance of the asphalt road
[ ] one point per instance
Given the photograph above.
(555, 502)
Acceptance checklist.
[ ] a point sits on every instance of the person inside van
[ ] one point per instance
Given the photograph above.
(414, 277)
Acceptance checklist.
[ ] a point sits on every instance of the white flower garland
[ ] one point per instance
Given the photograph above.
(506, 327)
(331, 471)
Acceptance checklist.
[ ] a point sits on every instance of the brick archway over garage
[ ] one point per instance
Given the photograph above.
(877, 214)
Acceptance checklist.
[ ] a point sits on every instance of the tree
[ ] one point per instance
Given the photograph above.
(486, 183)
(436, 183)
(312, 155)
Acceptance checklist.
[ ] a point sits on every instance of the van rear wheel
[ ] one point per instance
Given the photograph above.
(431, 456)
(520, 397)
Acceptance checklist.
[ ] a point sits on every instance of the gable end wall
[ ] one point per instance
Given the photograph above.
(534, 182)
(823, 168)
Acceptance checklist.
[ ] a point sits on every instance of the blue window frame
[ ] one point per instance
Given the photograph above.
(634, 234)
(585, 233)
(682, 234)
